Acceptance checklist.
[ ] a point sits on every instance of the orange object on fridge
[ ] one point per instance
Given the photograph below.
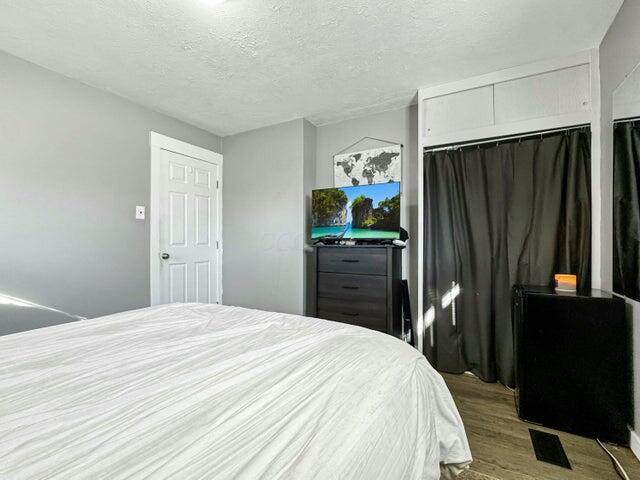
(566, 282)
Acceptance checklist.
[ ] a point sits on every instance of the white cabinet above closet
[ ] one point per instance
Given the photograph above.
(465, 110)
(545, 95)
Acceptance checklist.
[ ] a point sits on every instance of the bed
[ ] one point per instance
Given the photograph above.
(210, 391)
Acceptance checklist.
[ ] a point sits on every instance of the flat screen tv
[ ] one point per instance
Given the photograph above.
(363, 212)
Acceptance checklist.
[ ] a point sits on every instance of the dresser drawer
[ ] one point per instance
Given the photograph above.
(355, 312)
(371, 288)
(370, 261)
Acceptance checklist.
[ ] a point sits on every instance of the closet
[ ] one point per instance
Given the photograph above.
(507, 159)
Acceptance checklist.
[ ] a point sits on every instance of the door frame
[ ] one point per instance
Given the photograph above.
(158, 143)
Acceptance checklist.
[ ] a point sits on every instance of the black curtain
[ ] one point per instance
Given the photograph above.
(496, 215)
(626, 209)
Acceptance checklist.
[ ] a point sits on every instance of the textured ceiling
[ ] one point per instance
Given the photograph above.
(244, 64)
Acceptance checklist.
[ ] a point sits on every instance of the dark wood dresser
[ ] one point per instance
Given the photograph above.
(359, 285)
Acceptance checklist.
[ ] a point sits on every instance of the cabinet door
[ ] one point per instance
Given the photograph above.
(458, 111)
(547, 95)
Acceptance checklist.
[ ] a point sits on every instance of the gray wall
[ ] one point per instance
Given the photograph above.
(397, 126)
(268, 177)
(310, 137)
(264, 217)
(619, 54)
(74, 164)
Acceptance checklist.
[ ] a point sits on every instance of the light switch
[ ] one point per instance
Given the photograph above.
(140, 211)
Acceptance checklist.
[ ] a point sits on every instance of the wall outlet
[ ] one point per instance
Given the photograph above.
(140, 211)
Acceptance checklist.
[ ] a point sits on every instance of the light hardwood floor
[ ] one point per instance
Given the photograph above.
(501, 446)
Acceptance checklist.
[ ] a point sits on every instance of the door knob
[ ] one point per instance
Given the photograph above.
(165, 256)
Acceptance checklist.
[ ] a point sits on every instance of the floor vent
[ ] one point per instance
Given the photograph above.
(548, 448)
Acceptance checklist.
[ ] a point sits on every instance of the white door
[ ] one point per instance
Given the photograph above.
(189, 228)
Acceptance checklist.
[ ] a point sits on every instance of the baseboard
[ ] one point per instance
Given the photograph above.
(634, 443)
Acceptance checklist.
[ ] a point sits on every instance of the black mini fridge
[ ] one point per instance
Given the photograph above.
(573, 361)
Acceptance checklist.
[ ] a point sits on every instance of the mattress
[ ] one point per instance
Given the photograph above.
(208, 391)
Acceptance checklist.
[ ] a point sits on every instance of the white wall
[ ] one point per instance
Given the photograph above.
(397, 126)
(75, 162)
(619, 55)
(265, 174)
(626, 98)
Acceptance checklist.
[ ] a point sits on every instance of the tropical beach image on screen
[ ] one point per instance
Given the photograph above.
(362, 212)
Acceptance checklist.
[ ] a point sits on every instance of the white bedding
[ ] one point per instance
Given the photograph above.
(207, 391)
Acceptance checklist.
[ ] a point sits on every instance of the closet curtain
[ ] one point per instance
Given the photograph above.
(626, 209)
(496, 215)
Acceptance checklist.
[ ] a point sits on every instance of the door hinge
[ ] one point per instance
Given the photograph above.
(217, 183)
(217, 244)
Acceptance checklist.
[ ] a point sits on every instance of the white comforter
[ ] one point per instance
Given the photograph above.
(206, 391)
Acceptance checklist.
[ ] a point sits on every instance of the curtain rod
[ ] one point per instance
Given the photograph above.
(503, 139)
(628, 119)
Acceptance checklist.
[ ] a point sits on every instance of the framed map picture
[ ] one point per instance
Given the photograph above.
(377, 165)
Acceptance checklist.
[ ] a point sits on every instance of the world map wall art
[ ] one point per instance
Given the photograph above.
(377, 165)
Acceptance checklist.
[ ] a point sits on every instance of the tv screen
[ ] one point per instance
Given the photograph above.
(362, 212)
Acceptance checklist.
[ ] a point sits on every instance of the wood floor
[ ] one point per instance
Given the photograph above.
(501, 446)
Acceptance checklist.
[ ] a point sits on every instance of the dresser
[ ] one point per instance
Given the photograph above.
(360, 285)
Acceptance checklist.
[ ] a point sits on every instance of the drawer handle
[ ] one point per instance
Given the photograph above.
(350, 287)
(350, 314)
(346, 260)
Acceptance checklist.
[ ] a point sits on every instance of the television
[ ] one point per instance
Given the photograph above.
(362, 212)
